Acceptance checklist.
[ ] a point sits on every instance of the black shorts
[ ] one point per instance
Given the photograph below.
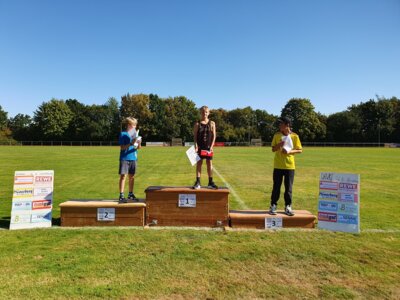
(127, 167)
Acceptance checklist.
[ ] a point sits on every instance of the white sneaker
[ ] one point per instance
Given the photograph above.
(272, 209)
(289, 211)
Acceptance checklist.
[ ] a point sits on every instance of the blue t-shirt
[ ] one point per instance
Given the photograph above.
(130, 153)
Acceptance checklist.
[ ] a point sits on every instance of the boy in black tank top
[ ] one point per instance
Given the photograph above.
(204, 138)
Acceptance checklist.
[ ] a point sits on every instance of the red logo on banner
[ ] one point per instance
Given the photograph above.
(43, 178)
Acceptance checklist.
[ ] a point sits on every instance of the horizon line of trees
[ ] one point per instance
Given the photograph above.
(161, 119)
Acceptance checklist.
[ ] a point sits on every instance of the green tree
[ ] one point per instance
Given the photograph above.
(305, 120)
(157, 107)
(52, 119)
(378, 119)
(78, 126)
(138, 106)
(20, 126)
(344, 127)
(3, 119)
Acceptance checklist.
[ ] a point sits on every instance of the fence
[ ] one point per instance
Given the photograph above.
(219, 144)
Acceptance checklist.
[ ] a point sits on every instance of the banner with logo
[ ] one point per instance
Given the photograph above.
(339, 202)
(32, 200)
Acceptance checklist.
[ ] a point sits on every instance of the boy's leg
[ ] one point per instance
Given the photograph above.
(198, 174)
(209, 168)
(210, 174)
(122, 183)
(276, 190)
(131, 183)
(289, 179)
(198, 168)
(132, 172)
(123, 170)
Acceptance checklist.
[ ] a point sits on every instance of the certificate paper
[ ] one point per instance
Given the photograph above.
(192, 155)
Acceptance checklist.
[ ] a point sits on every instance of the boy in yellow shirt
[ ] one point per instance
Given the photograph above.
(285, 144)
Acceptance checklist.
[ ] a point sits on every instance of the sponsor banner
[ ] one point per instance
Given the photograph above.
(328, 185)
(32, 199)
(348, 197)
(328, 195)
(348, 208)
(351, 187)
(328, 205)
(347, 219)
(41, 204)
(327, 217)
(25, 180)
(22, 205)
(20, 218)
(43, 192)
(23, 192)
(43, 180)
(42, 216)
(339, 202)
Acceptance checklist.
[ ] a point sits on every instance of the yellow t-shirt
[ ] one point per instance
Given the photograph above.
(281, 160)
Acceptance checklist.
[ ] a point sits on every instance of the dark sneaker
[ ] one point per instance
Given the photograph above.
(272, 209)
(212, 185)
(132, 197)
(122, 199)
(196, 185)
(289, 211)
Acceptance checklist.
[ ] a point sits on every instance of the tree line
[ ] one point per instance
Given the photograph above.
(161, 119)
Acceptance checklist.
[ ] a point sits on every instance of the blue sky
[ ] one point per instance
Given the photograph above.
(219, 53)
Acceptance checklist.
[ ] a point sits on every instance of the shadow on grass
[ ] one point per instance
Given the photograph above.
(56, 221)
(5, 222)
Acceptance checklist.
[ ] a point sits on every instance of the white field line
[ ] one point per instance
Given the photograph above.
(140, 228)
(231, 189)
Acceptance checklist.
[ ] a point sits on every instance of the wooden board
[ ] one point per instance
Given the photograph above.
(256, 219)
(84, 213)
(212, 208)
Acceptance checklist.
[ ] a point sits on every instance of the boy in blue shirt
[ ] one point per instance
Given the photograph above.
(129, 144)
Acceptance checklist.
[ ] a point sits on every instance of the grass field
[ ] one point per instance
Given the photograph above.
(178, 264)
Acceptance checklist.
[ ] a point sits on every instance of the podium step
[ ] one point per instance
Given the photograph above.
(256, 219)
(102, 213)
(184, 206)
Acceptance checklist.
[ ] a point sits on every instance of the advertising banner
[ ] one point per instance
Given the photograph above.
(339, 202)
(32, 200)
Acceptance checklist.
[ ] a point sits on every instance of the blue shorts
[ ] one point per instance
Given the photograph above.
(127, 167)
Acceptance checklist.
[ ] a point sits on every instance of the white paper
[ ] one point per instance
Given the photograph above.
(187, 200)
(192, 155)
(288, 143)
(105, 214)
(273, 223)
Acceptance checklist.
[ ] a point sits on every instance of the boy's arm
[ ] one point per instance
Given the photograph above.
(195, 129)
(297, 148)
(214, 130)
(275, 145)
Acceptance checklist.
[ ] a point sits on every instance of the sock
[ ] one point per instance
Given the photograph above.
(198, 179)
(130, 193)
(121, 195)
(210, 179)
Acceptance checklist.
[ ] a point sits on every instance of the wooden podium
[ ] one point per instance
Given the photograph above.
(256, 219)
(102, 213)
(184, 206)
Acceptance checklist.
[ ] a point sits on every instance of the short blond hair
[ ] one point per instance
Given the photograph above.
(129, 121)
(204, 107)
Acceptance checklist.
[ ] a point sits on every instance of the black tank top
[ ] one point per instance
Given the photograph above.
(204, 135)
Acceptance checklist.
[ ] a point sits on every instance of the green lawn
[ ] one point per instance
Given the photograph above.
(178, 264)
